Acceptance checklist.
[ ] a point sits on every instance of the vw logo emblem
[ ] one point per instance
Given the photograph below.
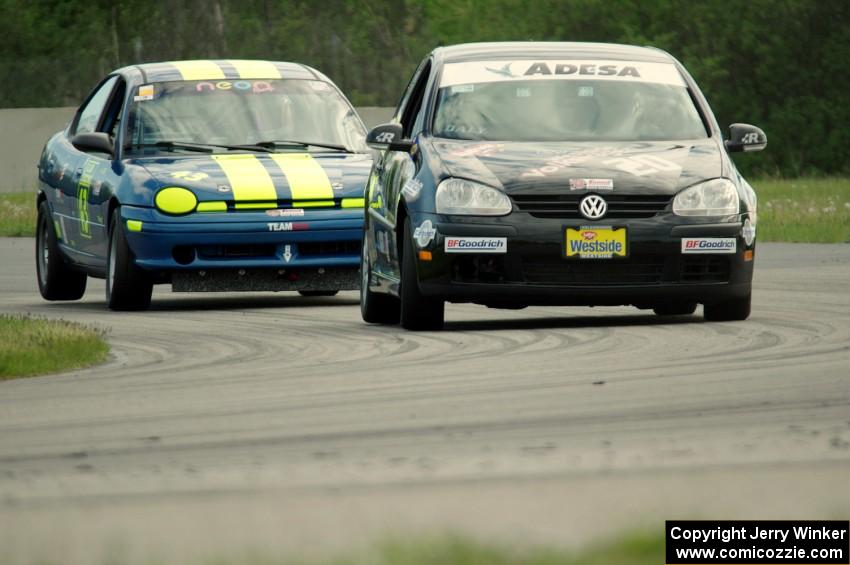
(593, 207)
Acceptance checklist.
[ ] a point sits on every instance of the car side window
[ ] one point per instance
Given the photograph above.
(402, 103)
(89, 116)
(414, 103)
(112, 118)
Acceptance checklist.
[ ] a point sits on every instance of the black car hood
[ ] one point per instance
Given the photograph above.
(347, 174)
(646, 167)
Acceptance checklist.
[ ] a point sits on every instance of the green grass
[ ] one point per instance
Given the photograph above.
(17, 214)
(804, 210)
(634, 549)
(799, 210)
(35, 346)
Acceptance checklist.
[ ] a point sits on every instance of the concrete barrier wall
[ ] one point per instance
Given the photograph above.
(23, 132)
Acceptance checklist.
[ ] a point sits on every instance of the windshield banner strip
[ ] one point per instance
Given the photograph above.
(248, 178)
(307, 179)
(198, 70)
(255, 69)
(476, 72)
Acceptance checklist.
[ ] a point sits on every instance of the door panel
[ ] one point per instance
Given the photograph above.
(94, 172)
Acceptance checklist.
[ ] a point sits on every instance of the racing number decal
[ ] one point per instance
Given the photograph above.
(83, 197)
(189, 175)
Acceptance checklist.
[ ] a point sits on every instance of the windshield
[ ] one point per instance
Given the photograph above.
(243, 112)
(565, 101)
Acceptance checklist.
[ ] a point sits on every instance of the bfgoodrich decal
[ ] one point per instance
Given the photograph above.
(476, 245)
(709, 245)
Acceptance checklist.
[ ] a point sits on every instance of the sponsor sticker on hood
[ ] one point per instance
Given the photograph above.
(591, 184)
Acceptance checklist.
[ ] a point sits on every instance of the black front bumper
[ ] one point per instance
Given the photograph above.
(535, 271)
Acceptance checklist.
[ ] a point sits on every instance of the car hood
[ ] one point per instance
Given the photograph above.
(647, 167)
(206, 177)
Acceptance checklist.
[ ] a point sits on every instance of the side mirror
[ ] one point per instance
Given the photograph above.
(388, 136)
(744, 137)
(97, 142)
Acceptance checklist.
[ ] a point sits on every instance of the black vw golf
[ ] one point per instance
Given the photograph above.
(518, 174)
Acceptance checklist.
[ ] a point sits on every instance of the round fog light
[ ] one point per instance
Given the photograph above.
(175, 200)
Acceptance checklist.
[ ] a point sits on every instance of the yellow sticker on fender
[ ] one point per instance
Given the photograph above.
(596, 243)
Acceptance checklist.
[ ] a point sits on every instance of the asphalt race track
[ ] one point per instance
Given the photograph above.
(226, 421)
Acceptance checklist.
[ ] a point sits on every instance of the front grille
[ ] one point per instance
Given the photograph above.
(634, 270)
(321, 248)
(235, 251)
(704, 269)
(566, 205)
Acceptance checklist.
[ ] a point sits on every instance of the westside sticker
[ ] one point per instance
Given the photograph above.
(709, 245)
(476, 245)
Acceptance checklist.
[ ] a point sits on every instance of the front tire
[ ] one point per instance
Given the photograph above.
(418, 312)
(733, 310)
(56, 280)
(375, 308)
(128, 287)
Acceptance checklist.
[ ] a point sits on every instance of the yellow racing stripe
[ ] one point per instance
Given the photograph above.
(199, 70)
(255, 69)
(307, 179)
(249, 180)
(256, 205)
(353, 202)
(211, 206)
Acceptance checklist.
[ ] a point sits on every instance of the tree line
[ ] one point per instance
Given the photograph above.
(780, 64)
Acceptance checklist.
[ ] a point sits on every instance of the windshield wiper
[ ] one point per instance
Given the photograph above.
(202, 147)
(279, 142)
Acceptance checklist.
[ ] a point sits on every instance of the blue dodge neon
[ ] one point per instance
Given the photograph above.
(208, 175)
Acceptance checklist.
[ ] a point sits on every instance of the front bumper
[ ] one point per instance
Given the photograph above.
(535, 271)
(239, 250)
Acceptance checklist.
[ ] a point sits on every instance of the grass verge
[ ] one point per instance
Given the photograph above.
(797, 210)
(35, 346)
(804, 210)
(17, 214)
(634, 549)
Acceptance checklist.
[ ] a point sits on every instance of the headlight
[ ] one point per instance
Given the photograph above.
(461, 196)
(716, 197)
(175, 200)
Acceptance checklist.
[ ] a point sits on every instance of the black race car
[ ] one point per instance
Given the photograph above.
(518, 174)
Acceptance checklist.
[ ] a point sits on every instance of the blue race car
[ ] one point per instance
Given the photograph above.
(208, 175)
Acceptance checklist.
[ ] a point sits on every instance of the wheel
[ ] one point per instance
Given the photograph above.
(318, 292)
(56, 279)
(127, 286)
(728, 311)
(418, 312)
(675, 309)
(376, 308)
